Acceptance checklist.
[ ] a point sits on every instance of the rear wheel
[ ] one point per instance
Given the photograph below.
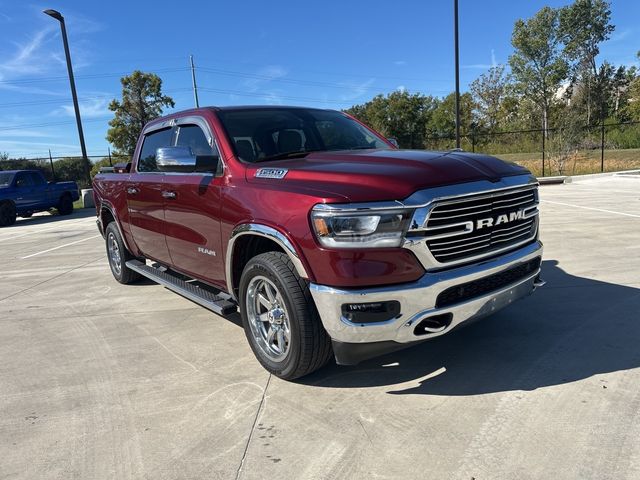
(280, 319)
(7, 214)
(118, 256)
(65, 207)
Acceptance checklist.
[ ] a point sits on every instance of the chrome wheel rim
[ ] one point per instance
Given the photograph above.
(268, 318)
(115, 258)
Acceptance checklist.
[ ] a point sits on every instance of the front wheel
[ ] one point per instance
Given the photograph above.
(280, 319)
(7, 214)
(118, 256)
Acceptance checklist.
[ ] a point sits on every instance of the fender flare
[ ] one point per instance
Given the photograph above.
(261, 230)
(109, 208)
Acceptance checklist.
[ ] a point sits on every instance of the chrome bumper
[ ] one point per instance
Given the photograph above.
(418, 300)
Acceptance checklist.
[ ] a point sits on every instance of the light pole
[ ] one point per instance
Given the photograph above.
(58, 16)
(457, 60)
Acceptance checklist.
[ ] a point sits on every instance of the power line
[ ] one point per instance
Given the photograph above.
(82, 99)
(86, 76)
(314, 83)
(266, 95)
(50, 124)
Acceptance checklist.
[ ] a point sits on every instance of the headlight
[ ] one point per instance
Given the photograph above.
(369, 229)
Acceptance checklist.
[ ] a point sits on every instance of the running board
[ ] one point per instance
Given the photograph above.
(219, 304)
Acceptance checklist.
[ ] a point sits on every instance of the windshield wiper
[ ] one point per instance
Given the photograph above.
(285, 155)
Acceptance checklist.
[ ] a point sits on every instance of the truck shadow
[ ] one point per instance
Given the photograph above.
(569, 330)
(46, 217)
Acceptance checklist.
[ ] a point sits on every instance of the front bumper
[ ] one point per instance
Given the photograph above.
(418, 303)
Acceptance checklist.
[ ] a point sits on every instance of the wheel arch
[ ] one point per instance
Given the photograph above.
(107, 215)
(250, 239)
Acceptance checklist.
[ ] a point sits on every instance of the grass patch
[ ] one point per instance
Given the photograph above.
(582, 163)
(77, 205)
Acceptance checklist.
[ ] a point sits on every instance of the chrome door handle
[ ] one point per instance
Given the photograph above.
(166, 194)
(132, 190)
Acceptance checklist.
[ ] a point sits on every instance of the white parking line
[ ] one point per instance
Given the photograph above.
(591, 208)
(58, 247)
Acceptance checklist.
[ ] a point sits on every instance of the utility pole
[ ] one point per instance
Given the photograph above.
(457, 61)
(85, 160)
(193, 80)
(53, 172)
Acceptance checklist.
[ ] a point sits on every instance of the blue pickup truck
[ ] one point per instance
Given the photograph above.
(24, 192)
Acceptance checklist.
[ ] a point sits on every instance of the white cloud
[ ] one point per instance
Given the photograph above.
(400, 63)
(401, 88)
(482, 66)
(28, 58)
(26, 134)
(92, 108)
(264, 76)
(357, 90)
(273, 98)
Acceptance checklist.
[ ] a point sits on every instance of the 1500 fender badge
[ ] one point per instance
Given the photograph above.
(271, 173)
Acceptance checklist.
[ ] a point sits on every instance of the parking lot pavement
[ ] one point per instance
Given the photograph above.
(100, 380)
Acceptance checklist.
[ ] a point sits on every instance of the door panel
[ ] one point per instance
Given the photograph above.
(192, 207)
(27, 197)
(144, 198)
(146, 215)
(192, 221)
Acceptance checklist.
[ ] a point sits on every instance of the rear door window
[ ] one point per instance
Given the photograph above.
(37, 179)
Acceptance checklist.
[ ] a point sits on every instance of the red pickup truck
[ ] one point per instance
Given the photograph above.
(330, 240)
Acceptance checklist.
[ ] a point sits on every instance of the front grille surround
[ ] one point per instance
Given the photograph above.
(456, 230)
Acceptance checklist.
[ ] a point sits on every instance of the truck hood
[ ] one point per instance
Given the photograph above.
(376, 175)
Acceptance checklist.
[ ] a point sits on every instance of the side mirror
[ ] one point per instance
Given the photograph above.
(393, 141)
(122, 167)
(175, 159)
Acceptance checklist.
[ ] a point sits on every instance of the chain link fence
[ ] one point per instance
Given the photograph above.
(64, 168)
(561, 151)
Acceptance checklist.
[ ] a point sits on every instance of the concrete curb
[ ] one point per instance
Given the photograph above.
(578, 178)
(552, 180)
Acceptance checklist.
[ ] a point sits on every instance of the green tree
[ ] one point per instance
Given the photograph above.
(443, 120)
(632, 109)
(537, 64)
(142, 101)
(400, 114)
(491, 92)
(584, 25)
(71, 169)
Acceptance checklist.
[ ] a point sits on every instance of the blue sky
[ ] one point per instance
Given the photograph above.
(328, 54)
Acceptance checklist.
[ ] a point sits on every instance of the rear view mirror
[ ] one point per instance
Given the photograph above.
(393, 141)
(175, 159)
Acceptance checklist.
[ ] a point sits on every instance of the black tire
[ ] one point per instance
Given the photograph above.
(7, 214)
(309, 346)
(65, 207)
(118, 255)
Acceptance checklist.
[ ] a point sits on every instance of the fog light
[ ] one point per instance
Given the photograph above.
(373, 312)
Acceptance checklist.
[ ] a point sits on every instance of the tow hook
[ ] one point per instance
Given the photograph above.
(538, 282)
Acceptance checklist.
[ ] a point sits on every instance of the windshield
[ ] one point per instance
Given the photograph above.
(5, 179)
(261, 134)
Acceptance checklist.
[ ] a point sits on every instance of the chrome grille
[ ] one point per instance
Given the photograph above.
(476, 226)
